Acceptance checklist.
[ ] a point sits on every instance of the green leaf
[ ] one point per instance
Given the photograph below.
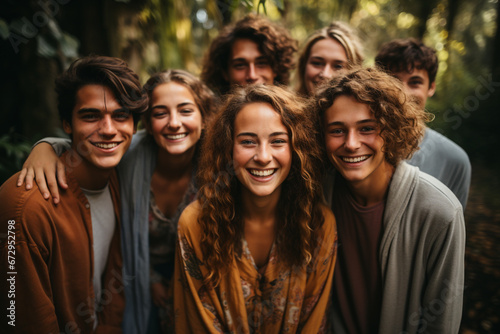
(69, 45)
(263, 4)
(44, 47)
(4, 29)
(280, 4)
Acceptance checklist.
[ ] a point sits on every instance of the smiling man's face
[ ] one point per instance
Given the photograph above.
(100, 127)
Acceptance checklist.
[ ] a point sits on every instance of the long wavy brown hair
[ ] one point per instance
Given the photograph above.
(342, 33)
(274, 42)
(299, 212)
(401, 120)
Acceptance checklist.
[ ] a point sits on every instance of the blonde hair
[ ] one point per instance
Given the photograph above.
(342, 33)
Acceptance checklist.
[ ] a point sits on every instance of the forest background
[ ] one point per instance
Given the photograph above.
(40, 38)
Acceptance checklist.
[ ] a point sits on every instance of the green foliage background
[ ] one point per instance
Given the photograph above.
(40, 38)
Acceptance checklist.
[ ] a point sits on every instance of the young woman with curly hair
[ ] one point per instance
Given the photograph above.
(401, 231)
(325, 53)
(157, 181)
(253, 50)
(256, 251)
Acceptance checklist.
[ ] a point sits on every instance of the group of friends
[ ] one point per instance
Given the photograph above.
(242, 206)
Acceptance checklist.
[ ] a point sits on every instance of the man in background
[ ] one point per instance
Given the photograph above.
(416, 65)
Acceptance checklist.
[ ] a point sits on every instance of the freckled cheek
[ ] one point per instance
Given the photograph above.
(240, 158)
(331, 145)
(157, 127)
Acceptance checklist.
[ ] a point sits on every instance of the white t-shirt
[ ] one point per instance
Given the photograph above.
(103, 228)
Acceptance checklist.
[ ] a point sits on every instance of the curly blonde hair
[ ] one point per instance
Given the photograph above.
(342, 33)
(274, 42)
(299, 211)
(402, 122)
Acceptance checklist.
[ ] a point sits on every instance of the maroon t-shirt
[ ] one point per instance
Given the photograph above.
(357, 280)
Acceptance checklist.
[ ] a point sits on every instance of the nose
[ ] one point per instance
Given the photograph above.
(251, 73)
(327, 72)
(263, 155)
(352, 142)
(107, 127)
(174, 121)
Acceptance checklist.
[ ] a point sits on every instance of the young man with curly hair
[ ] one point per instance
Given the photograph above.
(400, 260)
(416, 65)
(253, 50)
(65, 260)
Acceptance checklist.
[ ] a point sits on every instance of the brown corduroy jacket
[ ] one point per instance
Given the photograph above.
(47, 266)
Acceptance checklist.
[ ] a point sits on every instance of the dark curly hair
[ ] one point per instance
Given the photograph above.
(342, 33)
(406, 54)
(402, 122)
(110, 72)
(299, 211)
(274, 42)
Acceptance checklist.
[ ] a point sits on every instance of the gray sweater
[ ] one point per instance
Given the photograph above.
(421, 256)
(446, 161)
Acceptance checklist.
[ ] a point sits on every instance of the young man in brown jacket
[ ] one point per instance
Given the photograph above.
(61, 264)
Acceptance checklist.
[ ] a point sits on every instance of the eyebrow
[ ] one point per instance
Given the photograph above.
(359, 122)
(245, 60)
(317, 57)
(182, 104)
(251, 134)
(322, 58)
(95, 110)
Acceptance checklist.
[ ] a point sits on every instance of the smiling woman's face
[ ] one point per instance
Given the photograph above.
(262, 150)
(326, 58)
(176, 121)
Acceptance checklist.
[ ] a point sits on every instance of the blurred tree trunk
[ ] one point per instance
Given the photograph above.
(424, 13)
(453, 6)
(495, 66)
(45, 42)
(226, 10)
(27, 88)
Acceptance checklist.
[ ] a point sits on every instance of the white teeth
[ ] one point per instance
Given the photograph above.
(106, 146)
(258, 172)
(173, 137)
(356, 159)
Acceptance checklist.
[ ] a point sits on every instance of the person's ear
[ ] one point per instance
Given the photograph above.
(67, 127)
(432, 89)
